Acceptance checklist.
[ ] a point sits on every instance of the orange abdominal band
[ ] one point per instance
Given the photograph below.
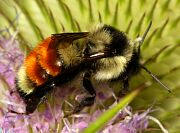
(42, 59)
(33, 69)
(47, 57)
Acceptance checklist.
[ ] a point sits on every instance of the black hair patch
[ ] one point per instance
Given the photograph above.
(119, 39)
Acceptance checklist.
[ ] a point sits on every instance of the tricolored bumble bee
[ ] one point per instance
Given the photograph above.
(104, 54)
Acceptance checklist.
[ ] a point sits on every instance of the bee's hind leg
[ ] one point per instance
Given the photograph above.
(88, 99)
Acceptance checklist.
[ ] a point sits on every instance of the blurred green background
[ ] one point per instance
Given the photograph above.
(37, 19)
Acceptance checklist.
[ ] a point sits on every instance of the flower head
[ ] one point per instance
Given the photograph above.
(10, 58)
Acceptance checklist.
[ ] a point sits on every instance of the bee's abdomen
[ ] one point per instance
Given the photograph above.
(33, 70)
(42, 61)
(48, 58)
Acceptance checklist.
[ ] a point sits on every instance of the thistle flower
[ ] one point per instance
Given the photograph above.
(40, 18)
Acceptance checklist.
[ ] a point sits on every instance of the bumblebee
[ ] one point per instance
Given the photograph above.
(103, 54)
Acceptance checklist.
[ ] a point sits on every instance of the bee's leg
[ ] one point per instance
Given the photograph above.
(88, 100)
(125, 87)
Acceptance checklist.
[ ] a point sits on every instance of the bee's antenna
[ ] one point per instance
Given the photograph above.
(145, 33)
(140, 40)
(155, 78)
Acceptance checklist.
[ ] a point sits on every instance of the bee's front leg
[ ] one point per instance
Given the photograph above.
(88, 99)
(125, 87)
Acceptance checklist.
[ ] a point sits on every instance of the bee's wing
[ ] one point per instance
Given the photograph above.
(69, 37)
